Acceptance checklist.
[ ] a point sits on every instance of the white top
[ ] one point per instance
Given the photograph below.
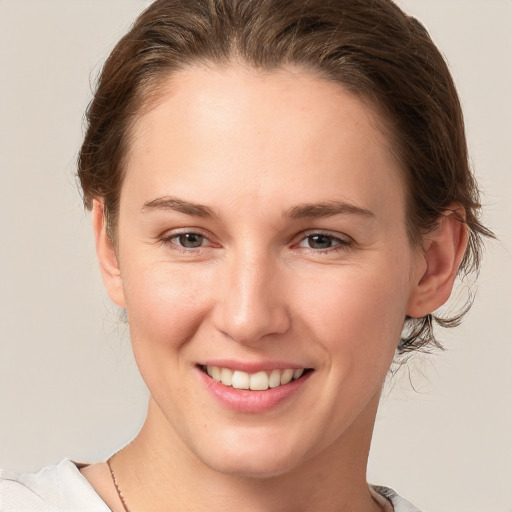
(62, 488)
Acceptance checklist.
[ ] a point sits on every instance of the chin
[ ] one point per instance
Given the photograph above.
(257, 459)
(258, 468)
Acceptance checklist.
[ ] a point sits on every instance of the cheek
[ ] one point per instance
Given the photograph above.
(165, 307)
(356, 312)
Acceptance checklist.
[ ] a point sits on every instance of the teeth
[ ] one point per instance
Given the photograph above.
(240, 380)
(226, 376)
(275, 379)
(216, 373)
(286, 377)
(298, 373)
(259, 381)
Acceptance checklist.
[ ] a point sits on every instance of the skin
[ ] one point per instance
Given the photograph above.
(253, 148)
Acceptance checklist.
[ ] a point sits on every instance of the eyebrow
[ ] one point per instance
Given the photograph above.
(301, 211)
(178, 205)
(327, 209)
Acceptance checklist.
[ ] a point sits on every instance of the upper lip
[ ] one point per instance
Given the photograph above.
(252, 366)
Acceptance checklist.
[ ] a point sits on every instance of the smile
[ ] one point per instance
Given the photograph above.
(259, 381)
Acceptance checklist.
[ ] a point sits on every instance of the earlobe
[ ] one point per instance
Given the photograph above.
(107, 256)
(442, 254)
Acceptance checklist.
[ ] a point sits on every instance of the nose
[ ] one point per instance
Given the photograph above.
(251, 302)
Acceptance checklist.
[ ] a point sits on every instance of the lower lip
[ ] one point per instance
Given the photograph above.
(244, 400)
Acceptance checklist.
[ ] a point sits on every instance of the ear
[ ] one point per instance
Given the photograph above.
(439, 261)
(107, 256)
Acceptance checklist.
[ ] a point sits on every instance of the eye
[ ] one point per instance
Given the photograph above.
(188, 240)
(323, 242)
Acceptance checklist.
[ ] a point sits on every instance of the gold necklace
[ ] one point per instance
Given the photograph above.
(116, 485)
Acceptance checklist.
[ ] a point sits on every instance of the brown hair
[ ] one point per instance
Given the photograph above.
(370, 47)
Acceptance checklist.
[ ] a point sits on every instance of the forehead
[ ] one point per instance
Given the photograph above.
(261, 133)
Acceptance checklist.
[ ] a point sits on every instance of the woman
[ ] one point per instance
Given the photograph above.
(281, 198)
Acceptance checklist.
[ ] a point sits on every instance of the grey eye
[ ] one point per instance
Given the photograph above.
(190, 240)
(320, 241)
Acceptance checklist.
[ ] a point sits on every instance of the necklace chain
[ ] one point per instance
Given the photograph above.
(126, 509)
(116, 485)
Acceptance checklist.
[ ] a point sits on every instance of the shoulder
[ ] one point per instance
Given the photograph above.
(56, 488)
(399, 504)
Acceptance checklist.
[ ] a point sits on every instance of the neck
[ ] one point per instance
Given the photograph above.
(170, 477)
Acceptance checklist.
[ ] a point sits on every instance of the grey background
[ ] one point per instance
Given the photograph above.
(68, 385)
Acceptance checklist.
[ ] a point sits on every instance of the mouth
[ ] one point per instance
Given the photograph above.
(259, 381)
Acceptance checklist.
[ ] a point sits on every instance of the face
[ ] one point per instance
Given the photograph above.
(262, 238)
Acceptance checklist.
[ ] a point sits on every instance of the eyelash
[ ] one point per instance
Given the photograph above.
(168, 241)
(340, 243)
